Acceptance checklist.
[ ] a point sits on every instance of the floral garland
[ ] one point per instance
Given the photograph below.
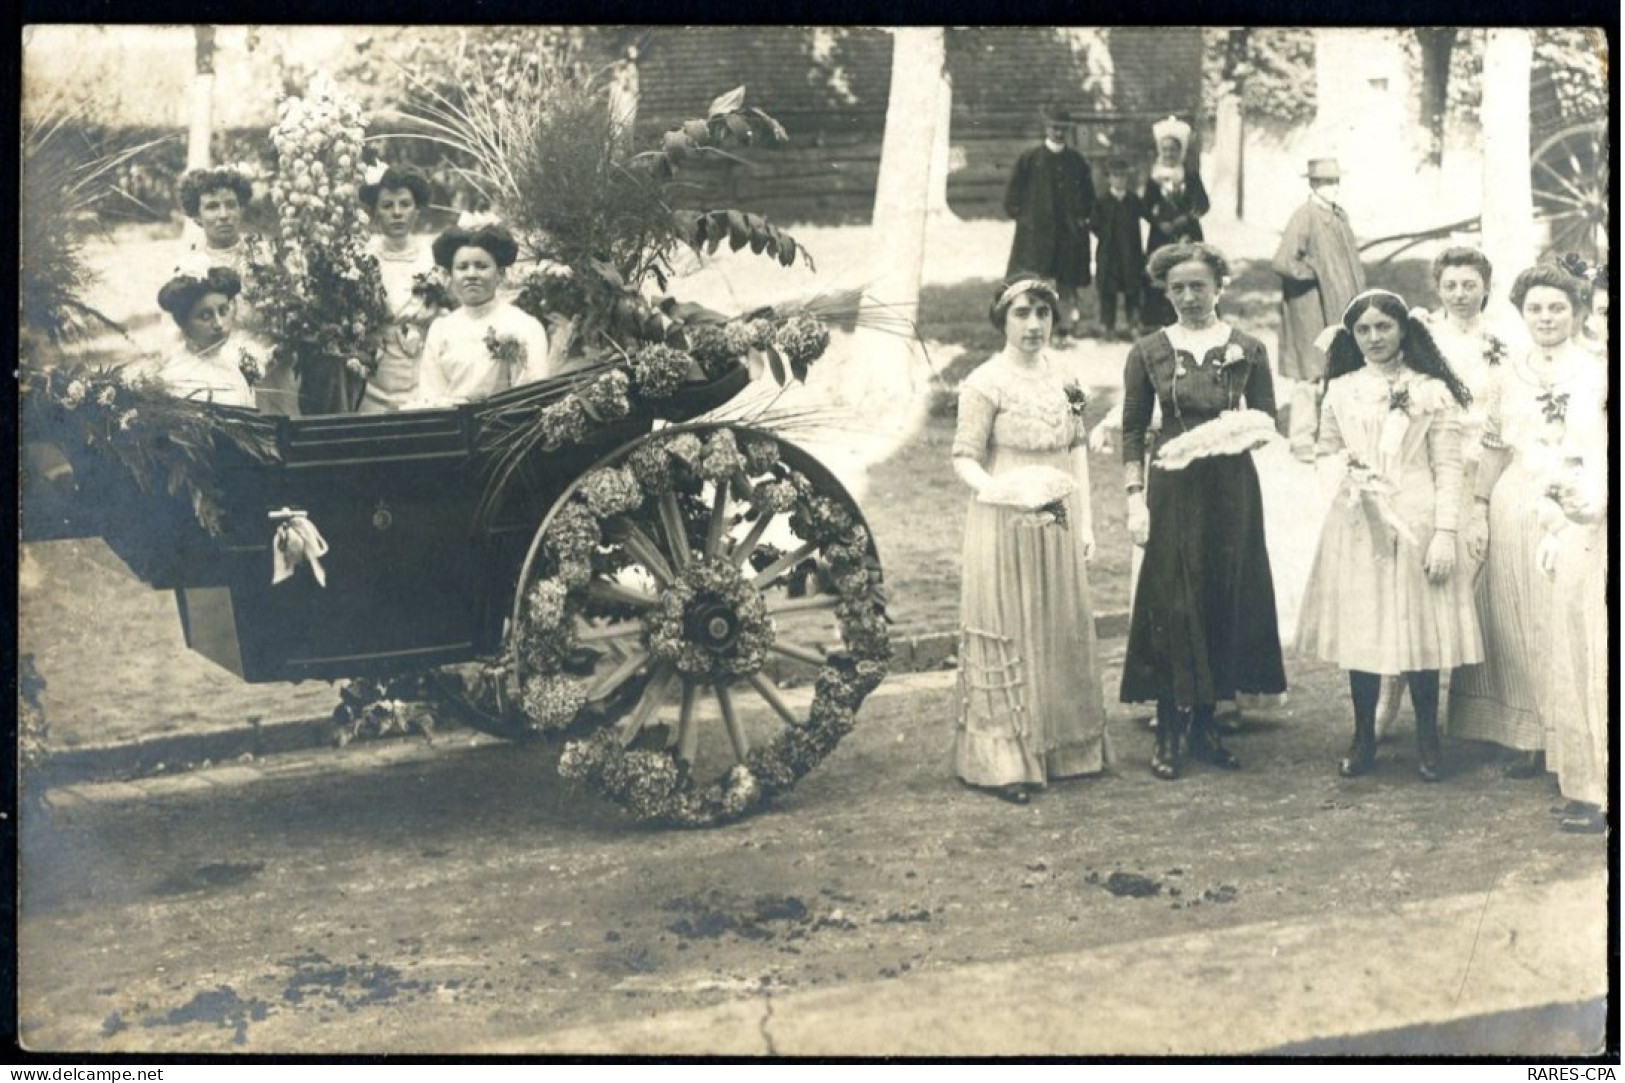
(1495, 350)
(133, 422)
(652, 784)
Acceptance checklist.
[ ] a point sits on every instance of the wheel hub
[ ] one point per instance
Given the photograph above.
(713, 625)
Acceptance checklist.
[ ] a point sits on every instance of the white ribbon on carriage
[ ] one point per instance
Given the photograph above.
(297, 541)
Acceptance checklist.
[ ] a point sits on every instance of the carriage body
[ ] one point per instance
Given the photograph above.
(421, 567)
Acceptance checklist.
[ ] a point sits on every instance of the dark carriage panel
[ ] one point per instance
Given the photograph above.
(422, 559)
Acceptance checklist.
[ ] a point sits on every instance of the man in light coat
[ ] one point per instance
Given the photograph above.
(1320, 271)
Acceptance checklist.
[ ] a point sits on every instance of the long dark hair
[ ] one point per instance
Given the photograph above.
(1418, 351)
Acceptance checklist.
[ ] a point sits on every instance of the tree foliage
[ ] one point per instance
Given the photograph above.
(1271, 69)
(539, 143)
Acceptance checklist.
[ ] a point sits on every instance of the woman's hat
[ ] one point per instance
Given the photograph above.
(1324, 169)
(1172, 128)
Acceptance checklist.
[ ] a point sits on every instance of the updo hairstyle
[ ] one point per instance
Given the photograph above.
(493, 239)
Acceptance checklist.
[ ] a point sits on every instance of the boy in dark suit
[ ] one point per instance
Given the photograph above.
(1120, 257)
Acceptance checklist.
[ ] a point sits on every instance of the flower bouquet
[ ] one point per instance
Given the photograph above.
(318, 289)
(1372, 494)
(1040, 491)
(1233, 432)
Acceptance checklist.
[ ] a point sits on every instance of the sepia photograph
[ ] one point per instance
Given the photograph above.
(806, 542)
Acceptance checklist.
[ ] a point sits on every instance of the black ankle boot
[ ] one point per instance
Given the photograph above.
(1429, 760)
(1166, 759)
(1205, 743)
(1362, 753)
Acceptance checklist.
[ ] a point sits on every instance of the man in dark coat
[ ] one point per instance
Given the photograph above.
(1120, 258)
(1319, 265)
(1051, 197)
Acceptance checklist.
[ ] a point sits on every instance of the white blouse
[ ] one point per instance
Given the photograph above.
(458, 365)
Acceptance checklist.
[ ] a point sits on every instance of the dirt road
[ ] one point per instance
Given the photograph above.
(465, 899)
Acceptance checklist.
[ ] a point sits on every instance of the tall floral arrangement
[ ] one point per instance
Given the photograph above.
(315, 284)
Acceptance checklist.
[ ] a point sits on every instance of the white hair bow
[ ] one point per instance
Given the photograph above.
(472, 220)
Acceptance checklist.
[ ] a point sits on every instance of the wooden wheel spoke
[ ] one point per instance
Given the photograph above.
(654, 693)
(623, 629)
(671, 520)
(730, 719)
(783, 564)
(688, 735)
(719, 520)
(644, 550)
(810, 655)
(770, 693)
(747, 545)
(618, 676)
(603, 590)
(809, 603)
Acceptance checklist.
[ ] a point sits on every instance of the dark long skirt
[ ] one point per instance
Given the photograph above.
(1204, 627)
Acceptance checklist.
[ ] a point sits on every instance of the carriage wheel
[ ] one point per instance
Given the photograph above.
(677, 605)
(1570, 180)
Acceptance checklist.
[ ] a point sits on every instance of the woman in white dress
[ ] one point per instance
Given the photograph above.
(1474, 344)
(215, 361)
(1385, 595)
(1031, 707)
(487, 345)
(394, 197)
(1574, 555)
(1542, 405)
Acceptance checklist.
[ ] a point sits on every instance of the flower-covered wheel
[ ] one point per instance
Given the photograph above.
(704, 607)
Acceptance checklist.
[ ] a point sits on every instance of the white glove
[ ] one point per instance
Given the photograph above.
(1086, 538)
(1441, 556)
(1139, 519)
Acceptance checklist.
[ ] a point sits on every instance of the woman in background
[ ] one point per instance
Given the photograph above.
(394, 196)
(1174, 202)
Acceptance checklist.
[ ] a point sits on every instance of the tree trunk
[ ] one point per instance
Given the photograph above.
(202, 126)
(941, 150)
(902, 190)
(1508, 203)
(882, 376)
(1437, 44)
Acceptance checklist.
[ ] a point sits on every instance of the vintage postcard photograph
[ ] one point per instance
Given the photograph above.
(818, 541)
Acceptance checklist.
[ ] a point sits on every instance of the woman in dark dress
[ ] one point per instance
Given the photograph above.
(1203, 626)
(1175, 202)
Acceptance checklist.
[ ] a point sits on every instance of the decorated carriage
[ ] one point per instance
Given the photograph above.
(609, 556)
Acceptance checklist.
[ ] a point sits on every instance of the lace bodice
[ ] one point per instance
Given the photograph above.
(1003, 406)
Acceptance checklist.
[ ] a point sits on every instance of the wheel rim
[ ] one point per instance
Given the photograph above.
(1570, 177)
(674, 593)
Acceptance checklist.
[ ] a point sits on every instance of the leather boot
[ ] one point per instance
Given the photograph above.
(1429, 760)
(1205, 744)
(1425, 700)
(1166, 760)
(1364, 689)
